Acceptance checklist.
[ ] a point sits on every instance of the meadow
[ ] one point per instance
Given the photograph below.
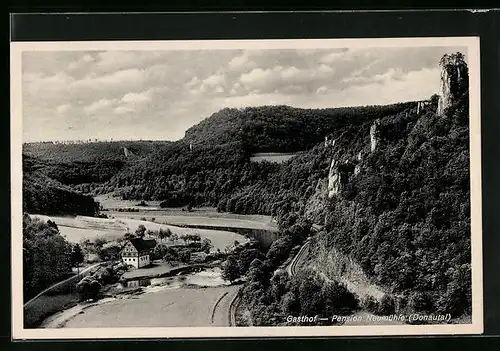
(275, 157)
(78, 228)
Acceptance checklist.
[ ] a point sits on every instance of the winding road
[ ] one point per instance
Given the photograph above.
(292, 266)
(291, 269)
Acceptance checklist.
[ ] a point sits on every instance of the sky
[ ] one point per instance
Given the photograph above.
(157, 95)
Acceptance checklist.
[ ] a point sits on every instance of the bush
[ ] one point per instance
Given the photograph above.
(319, 297)
(232, 269)
(370, 304)
(458, 294)
(184, 256)
(280, 250)
(88, 288)
(387, 305)
(338, 299)
(420, 302)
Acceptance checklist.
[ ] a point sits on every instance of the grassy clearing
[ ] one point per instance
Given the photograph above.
(47, 305)
(153, 210)
(272, 157)
(81, 227)
(180, 220)
(108, 202)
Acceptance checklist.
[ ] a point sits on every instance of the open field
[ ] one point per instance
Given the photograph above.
(272, 157)
(169, 307)
(78, 228)
(219, 238)
(180, 220)
(110, 203)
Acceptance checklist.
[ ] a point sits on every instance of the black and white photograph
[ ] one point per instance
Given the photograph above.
(246, 188)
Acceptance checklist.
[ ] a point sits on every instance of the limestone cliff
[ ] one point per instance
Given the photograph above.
(454, 80)
(334, 183)
(374, 135)
(339, 175)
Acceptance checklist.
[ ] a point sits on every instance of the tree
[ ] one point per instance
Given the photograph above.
(184, 256)
(279, 250)
(52, 224)
(140, 231)
(159, 251)
(164, 233)
(109, 252)
(206, 245)
(128, 236)
(174, 237)
(184, 237)
(47, 256)
(196, 237)
(77, 257)
(170, 255)
(387, 305)
(88, 288)
(232, 269)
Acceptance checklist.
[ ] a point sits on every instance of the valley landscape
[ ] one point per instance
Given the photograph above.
(259, 214)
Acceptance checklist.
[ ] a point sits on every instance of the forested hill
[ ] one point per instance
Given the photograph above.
(212, 163)
(56, 174)
(281, 128)
(44, 195)
(207, 167)
(393, 197)
(88, 152)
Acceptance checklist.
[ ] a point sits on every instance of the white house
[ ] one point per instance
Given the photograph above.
(137, 252)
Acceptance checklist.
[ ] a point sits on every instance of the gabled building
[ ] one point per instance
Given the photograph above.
(137, 252)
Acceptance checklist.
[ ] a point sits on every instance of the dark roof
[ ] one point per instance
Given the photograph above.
(143, 244)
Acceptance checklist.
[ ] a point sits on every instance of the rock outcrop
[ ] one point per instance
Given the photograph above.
(334, 183)
(338, 176)
(329, 141)
(454, 80)
(357, 169)
(374, 135)
(421, 105)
